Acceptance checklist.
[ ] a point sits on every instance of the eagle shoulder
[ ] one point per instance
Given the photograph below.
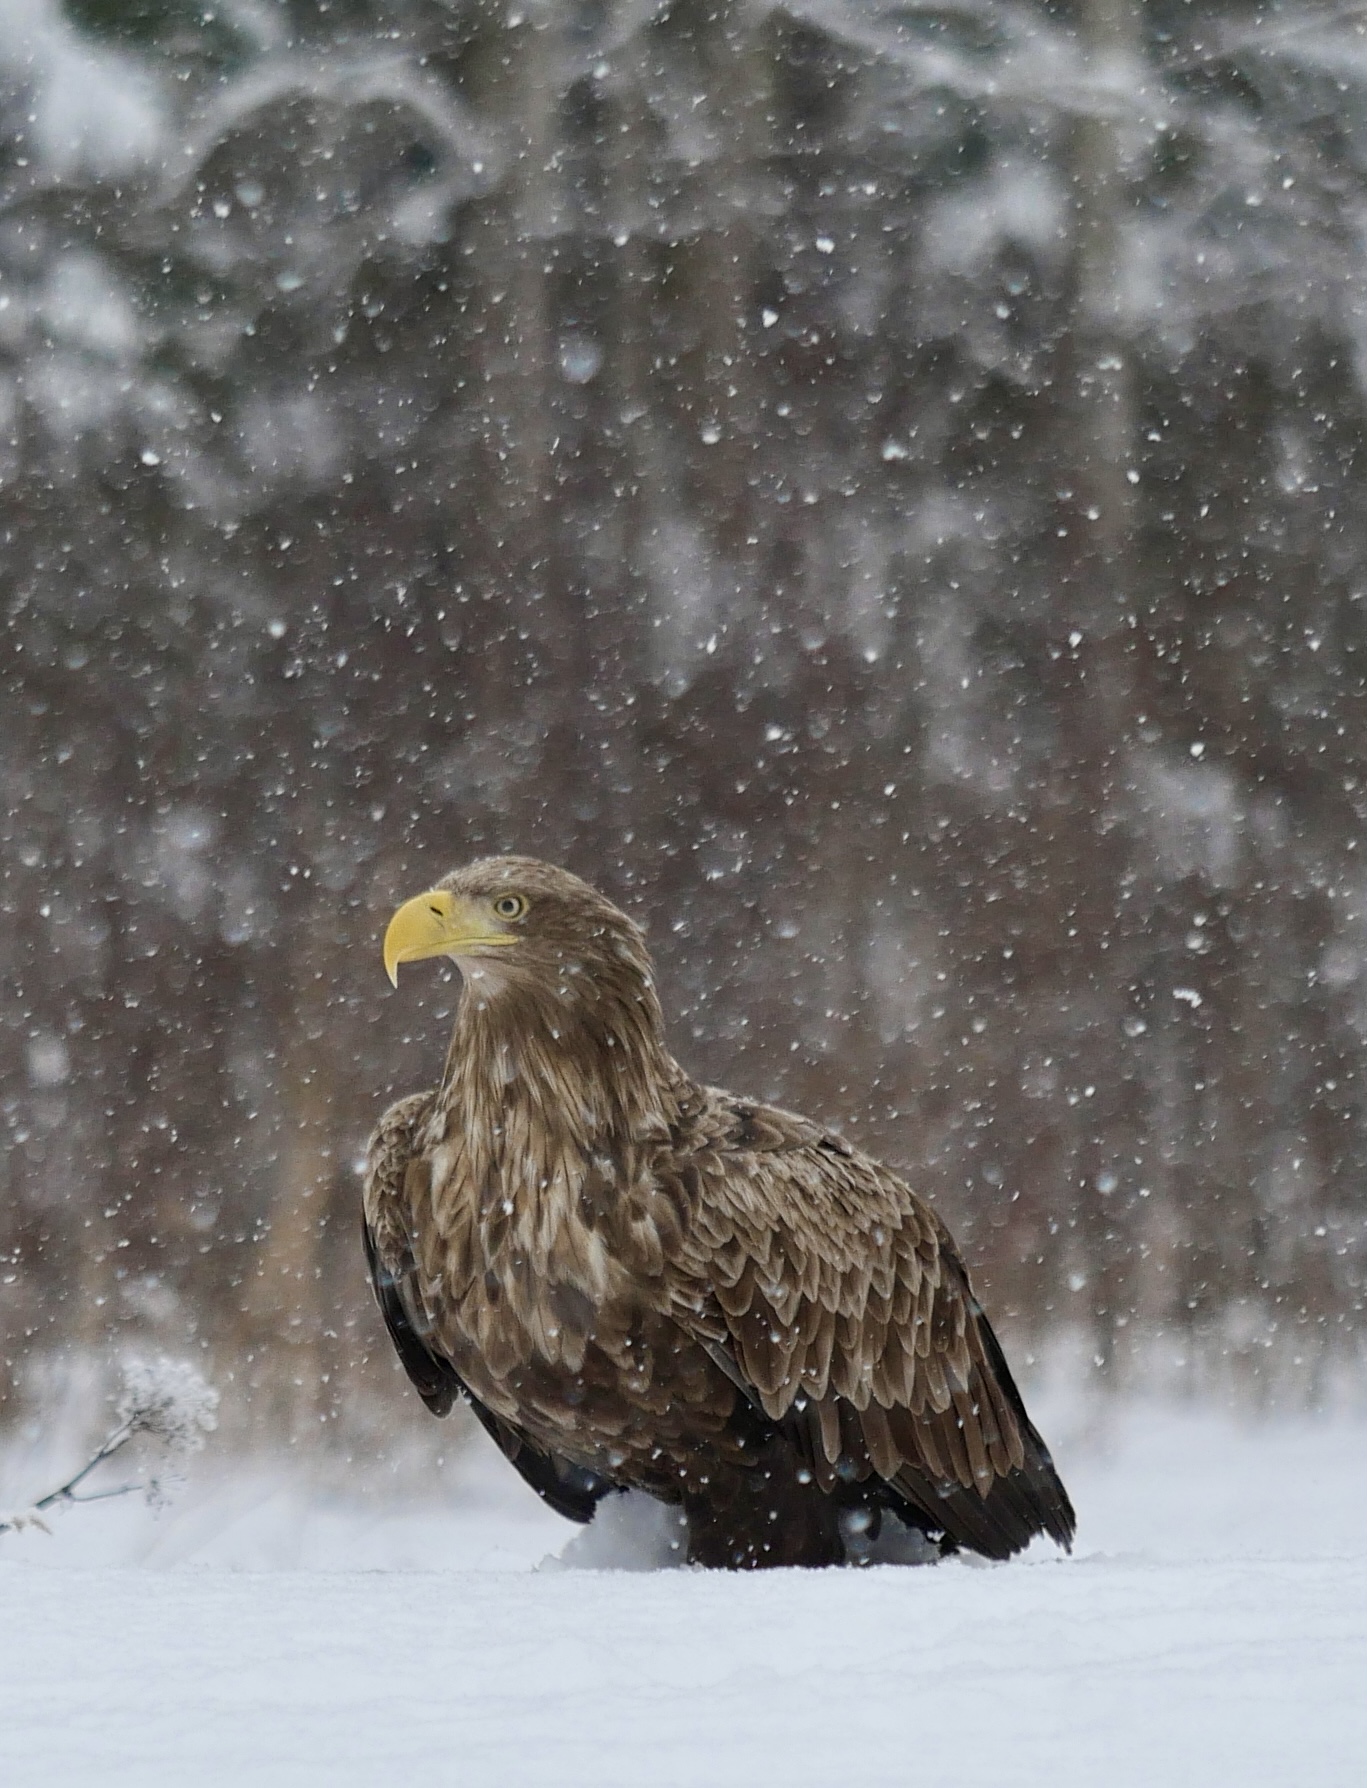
(387, 1224)
(386, 1231)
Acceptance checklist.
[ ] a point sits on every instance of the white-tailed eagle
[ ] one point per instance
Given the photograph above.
(638, 1281)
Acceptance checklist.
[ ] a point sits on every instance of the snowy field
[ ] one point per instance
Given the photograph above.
(1210, 1629)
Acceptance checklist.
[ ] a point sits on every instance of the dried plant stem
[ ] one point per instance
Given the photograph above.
(65, 1493)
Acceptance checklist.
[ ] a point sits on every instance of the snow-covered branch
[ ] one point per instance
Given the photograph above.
(168, 1401)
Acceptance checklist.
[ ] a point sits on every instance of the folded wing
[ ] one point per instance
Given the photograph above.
(835, 1297)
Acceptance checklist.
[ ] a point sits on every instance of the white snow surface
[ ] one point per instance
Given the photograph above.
(1209, 1629)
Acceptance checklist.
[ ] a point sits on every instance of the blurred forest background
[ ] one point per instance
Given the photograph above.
(880, 487)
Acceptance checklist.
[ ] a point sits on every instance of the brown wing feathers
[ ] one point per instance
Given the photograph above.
(848, 1314)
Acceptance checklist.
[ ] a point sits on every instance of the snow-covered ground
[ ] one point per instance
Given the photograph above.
(1210, 1629)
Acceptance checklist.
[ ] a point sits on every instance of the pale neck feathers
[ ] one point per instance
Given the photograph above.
(548, 1088)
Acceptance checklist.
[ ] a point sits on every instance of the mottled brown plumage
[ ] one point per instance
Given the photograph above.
(640, 1281)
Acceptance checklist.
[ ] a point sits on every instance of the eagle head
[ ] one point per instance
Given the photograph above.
(515, 921)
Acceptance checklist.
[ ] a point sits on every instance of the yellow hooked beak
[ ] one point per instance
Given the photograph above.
(438, 923)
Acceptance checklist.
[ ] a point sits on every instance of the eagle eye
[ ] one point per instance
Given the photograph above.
(510, 906)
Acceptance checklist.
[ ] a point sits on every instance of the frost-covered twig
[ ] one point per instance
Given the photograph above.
(170, 1401)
